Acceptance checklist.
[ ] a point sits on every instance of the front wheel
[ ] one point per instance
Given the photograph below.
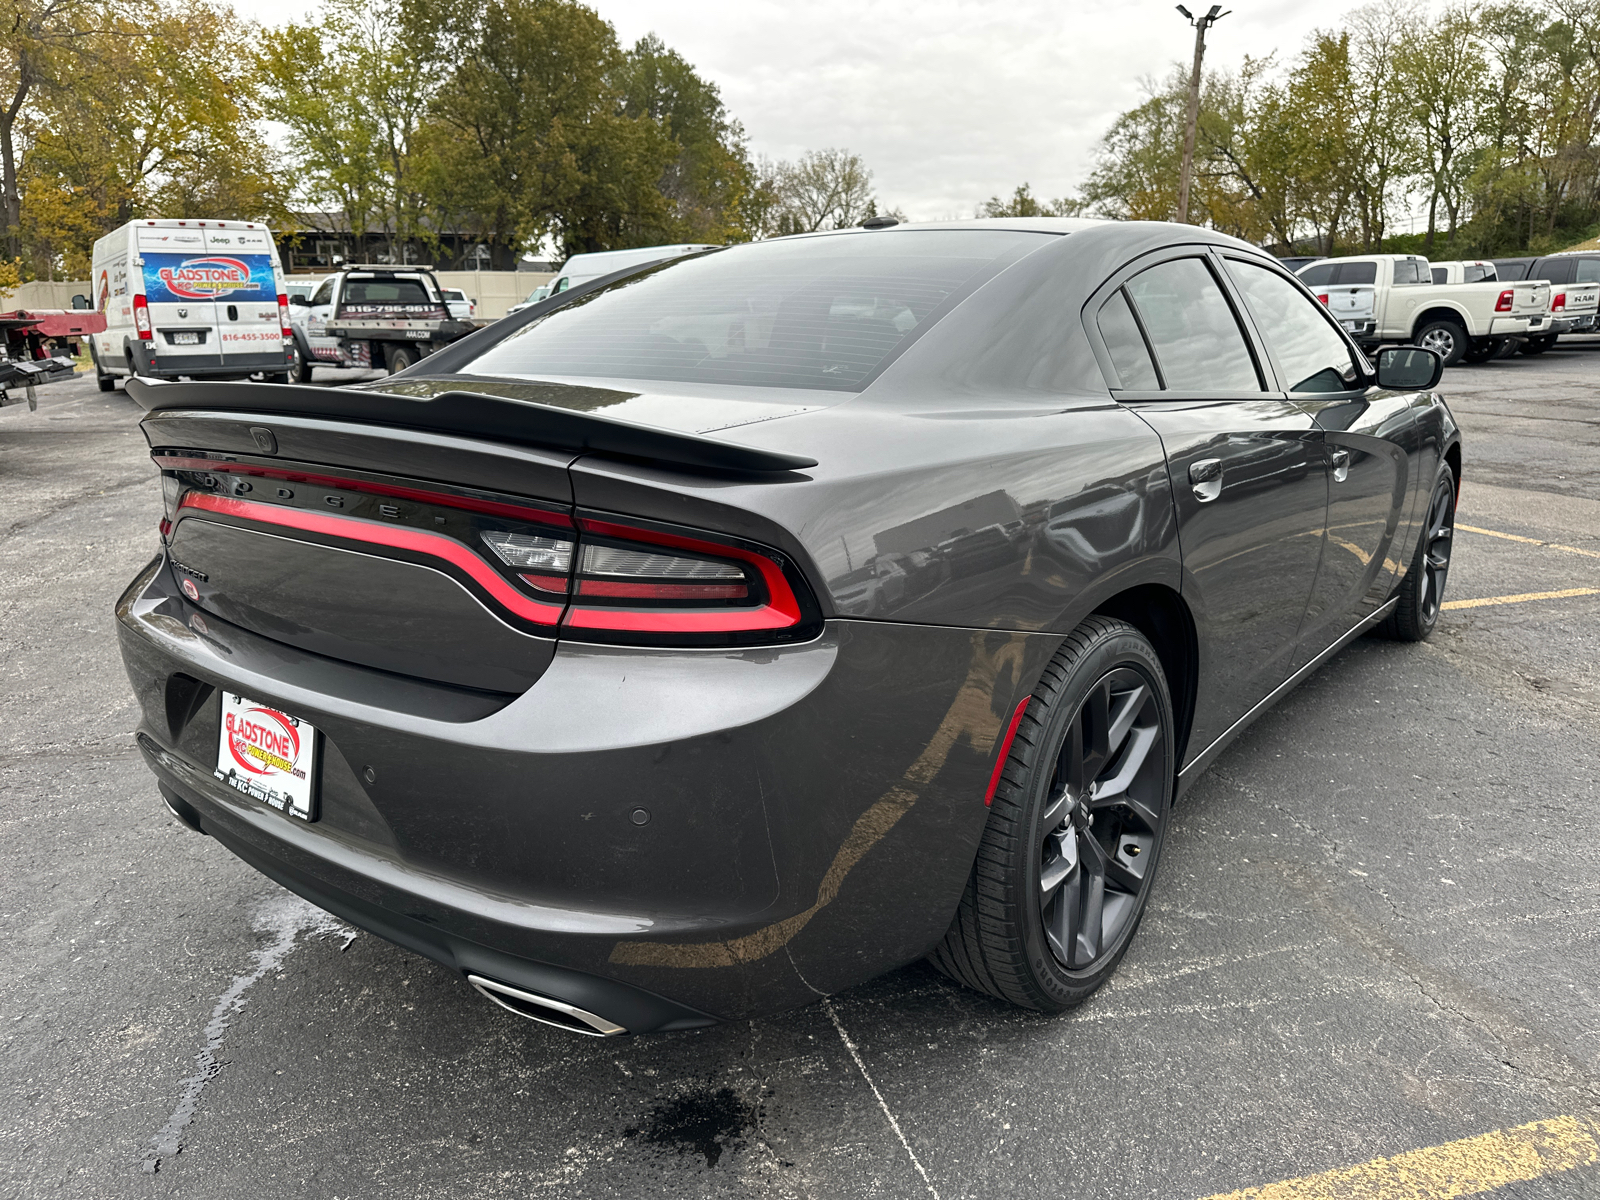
(1445, 338)
(1422, 591)
(1064, 868)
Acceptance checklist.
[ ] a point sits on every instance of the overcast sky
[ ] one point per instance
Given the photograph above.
(948, 101)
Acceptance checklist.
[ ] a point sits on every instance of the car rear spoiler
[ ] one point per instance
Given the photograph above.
(470, 414)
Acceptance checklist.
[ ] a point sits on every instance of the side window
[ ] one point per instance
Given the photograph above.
(1129, 354)
(1588, 270)
(1409, 271)
(561, 285)
(1478, 273)
(1440, 275)
(324, 293)
(1557, 270)
(1319, 274)
(1511, 271)
(1312, 355)
(1196, 338)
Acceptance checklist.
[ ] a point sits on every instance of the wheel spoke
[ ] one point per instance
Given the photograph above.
(1063, 919)
(1092, 860)
(1057, 870)
(1111, 791)
(1127, 711)
(1121, 875)
(1059, 806)
(1097, 726)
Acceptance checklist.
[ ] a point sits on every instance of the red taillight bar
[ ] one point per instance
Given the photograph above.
(141, 318)
(1504, 303)
(494, 508)
(283, 314)
(1558, 302)
(397, 537)
(1322, 297)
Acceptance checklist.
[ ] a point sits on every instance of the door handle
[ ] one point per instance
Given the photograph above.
(1341, 465)
(1206, 478)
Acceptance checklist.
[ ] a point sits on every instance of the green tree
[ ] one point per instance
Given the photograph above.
(1024, 204)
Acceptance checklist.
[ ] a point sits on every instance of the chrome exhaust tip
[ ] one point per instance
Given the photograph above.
(545, 1009)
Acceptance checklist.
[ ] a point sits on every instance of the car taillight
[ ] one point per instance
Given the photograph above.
(1558, 301)
(639, 584)
(141, 318)
(543, 563)
(1322, 297)
(172, 490)
(283, 315)
(1504, 303)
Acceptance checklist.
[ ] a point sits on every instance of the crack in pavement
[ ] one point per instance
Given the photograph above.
(115, 485)
(285, 917)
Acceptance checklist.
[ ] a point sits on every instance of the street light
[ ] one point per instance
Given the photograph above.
(1201, 24)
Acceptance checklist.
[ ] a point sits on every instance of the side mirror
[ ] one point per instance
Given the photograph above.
(1409, 369)
(300, 301)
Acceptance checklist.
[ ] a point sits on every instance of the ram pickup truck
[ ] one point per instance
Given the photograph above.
(372, 317)
(1574, 278)
(1391, 298)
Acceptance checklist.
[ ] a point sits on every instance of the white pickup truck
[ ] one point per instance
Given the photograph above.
(1392, 298)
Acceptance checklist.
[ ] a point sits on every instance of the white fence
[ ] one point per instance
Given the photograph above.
(43, 294)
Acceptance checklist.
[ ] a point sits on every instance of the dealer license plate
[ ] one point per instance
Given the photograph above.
(1351, 325)
(268, 755)
(186, 339)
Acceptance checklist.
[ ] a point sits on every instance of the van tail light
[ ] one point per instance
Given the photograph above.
(1504, 303)
(283, 315)
(1322, 297)
(141, 318)
(1558, 302)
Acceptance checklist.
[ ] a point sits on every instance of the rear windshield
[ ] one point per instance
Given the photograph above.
(808, 313)
(385, 291)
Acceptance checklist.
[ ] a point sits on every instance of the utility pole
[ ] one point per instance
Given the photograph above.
(1201, 24)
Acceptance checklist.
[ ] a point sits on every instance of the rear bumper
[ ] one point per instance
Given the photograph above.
(158, 363)
(813, 811)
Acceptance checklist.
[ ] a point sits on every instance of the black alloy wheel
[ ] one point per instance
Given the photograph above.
(104, 381)
(1065, 866)
(1422, 592)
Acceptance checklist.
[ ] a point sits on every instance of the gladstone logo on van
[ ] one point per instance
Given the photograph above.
(206, 278)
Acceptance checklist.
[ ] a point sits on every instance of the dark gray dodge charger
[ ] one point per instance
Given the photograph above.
(728, 631)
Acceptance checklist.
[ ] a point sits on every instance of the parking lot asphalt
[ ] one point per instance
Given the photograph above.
(1374, 933)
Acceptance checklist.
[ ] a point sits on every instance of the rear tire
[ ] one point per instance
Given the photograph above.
(1445, 338)
(1482, 350)
(106, 383)
(299, 364)
(1422, 591)
(398, 358)
(1065, 865)
(1539, 345)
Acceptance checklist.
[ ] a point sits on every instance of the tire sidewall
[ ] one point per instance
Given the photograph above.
(402, 356)
(1122, 648)
(1446, 480)
(1457, 334)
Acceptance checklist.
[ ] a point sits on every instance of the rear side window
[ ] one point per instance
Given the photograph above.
(1440, 275)
(1358, 273)
(819, 312)
(1555, 270)
(1408, 271)
(1588, 270)
(1511, 271)
(1310, 353)
(1319, 275)
(1195, 336)
(1125, 343)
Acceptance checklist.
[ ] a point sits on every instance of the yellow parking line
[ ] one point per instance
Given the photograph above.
(1521, 598)
(1512, 537)
(1466, 1168)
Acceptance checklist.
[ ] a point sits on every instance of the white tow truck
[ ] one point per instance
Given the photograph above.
(1392, 298)
(377, 316)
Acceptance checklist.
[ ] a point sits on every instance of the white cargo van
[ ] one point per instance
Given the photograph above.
(202, 299)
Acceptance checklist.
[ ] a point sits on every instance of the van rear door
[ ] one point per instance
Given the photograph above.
(248, 324)
(177, 287)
